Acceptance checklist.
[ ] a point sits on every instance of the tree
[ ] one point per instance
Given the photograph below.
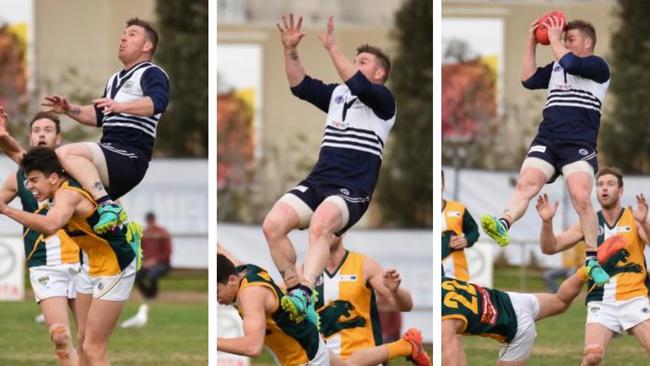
(625, 136)
(183, 53)
(405, 188)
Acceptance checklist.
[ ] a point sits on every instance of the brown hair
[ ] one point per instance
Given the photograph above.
(150, 32)
(612, 171)
(584, 27)
(384, 61)
(47, 115)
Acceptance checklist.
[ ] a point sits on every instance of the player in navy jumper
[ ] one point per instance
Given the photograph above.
(128, 113)
(566, 141)
(335, 195)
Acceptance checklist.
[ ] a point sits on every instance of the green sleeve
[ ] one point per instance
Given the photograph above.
(470, 229)
(446, 249)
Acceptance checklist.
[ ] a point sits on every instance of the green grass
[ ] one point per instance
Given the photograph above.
(176, 334)
(560, 339)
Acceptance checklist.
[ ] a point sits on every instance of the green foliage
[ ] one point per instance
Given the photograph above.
(183, 53)
(405, 188)
(625, 136)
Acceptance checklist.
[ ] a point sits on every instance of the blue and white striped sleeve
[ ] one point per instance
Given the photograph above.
(540, 79)
(315, 92)
(375, 96)
(591, 67)
(155, 85)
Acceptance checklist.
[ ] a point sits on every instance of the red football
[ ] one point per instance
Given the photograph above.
(541, 33)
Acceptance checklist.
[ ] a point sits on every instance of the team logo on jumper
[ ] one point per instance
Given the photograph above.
(624, 229)
(601, 230)
(339, 125)
(348, 278)
(583, 152)
(44, 280)
(645, 310)
(338, 99)
(129, 86)
(345, 191)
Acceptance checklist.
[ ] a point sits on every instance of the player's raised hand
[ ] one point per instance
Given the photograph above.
(555, 28)
(3, 122)
(327, 38)
(641, 212)
(57, 104)
(545, 210)
(531, 31)
(392, 279)
(291, 32)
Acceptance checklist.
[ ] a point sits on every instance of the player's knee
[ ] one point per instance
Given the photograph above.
(93, 350)
(593, 355)
(581, 202)
(320, 228)
(60, 336)
(527, 186)
(273, 227)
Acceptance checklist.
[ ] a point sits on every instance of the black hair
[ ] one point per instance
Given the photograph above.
(42, 159)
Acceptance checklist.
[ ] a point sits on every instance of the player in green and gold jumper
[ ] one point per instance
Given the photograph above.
(507, 317)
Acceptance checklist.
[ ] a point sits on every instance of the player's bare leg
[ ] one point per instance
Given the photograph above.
(579, 184)
(102, 317)
(55, 311)
(278, 223)
(597, 337)
(82, 305)
(325, 222)
(642, 332)
(451, 342)
(530, 182)
(80, 162)
(410, 346)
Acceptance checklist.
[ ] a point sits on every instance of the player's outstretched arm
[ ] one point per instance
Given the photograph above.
(252, 301)
(641, 217)
(553, 304)
(7, 143)
(549, 242)
(344, 67)
(529, 64)
(290, 35)
(452, 347)
(387, 284)
(143, 107)
(9, 189)
(83, 114)
(57, 217)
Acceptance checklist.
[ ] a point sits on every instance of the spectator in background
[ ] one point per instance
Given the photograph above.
(157, 250)
(572, 259)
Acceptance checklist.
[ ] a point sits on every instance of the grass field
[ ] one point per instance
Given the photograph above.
(560, 339)
(177, 332)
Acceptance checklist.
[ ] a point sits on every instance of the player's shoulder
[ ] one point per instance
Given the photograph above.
(154, 69)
